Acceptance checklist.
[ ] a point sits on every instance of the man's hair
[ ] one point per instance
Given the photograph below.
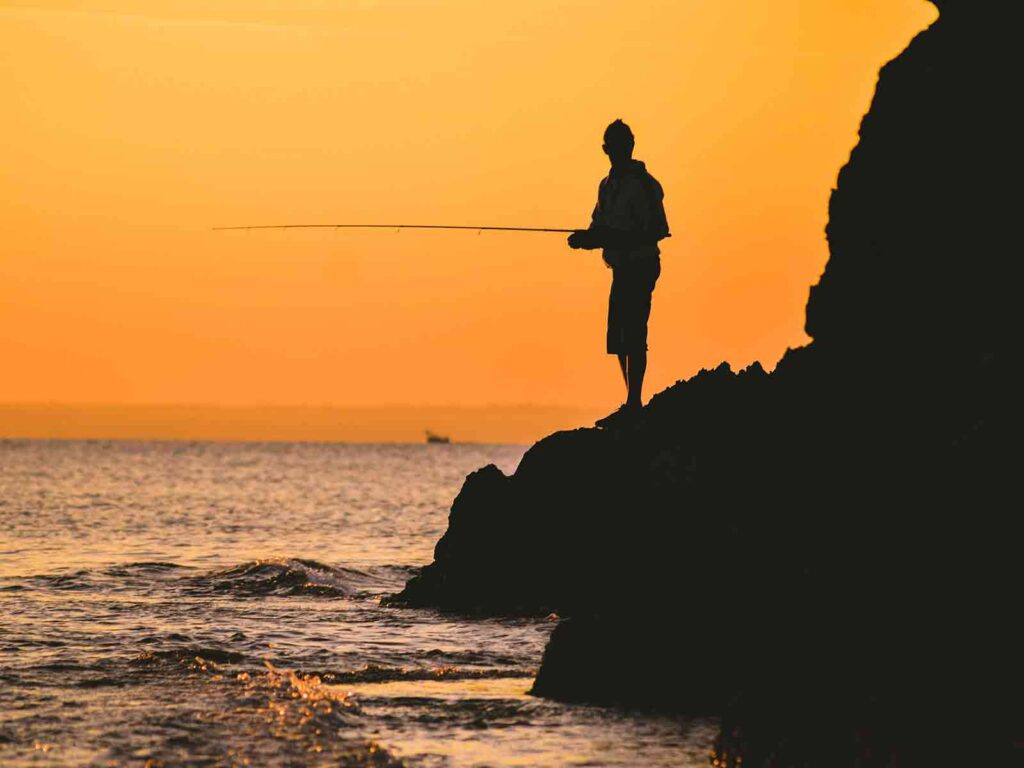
(618, 134)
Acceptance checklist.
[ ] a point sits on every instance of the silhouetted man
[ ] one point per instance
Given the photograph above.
(628, 221)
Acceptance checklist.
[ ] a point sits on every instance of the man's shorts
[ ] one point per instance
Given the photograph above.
(629, 305)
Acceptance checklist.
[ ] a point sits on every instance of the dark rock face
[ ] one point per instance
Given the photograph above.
(824, 555)
(572, 529)
(915, 235)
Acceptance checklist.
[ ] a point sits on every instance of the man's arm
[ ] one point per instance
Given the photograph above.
(587, 239)
(599, 236)
(648, 213)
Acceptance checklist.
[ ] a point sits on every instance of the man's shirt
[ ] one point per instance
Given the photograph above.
(630, 201)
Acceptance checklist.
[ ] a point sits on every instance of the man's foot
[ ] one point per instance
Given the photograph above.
(626, 412)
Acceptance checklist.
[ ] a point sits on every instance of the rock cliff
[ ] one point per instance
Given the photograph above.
(823, 554)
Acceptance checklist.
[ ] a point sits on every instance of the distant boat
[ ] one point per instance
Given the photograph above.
(439, 439)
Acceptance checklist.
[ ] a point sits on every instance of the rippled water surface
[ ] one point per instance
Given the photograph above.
(218, 604)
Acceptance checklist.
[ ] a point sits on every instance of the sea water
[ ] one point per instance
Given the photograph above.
(191, 604)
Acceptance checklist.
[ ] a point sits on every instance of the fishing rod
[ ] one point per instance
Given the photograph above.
(396, 227)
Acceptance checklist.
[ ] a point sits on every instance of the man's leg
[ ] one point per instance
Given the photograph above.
(624, 366)
(640, 313)
(636, 366)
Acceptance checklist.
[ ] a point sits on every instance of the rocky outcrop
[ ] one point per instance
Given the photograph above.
(824, 554)
(572, 529)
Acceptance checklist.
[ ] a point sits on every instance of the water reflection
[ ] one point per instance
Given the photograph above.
(203, 604)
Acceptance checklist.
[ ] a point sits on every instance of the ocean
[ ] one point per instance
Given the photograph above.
(216, 604)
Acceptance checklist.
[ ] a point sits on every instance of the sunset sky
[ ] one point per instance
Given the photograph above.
(130, 127)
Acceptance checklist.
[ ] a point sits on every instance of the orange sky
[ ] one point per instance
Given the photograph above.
(132, 126)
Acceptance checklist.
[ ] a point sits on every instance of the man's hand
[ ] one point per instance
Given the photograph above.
(577, 238)
(587, 239)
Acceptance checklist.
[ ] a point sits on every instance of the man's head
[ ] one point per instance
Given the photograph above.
(618, 142)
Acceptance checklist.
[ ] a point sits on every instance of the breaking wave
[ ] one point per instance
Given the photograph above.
(375, 673)
(271, 577)
(283, 577)
(192, 657)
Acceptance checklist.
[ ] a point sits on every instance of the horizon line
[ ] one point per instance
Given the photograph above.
(496, 424)
(322, 406)
(242, 441)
